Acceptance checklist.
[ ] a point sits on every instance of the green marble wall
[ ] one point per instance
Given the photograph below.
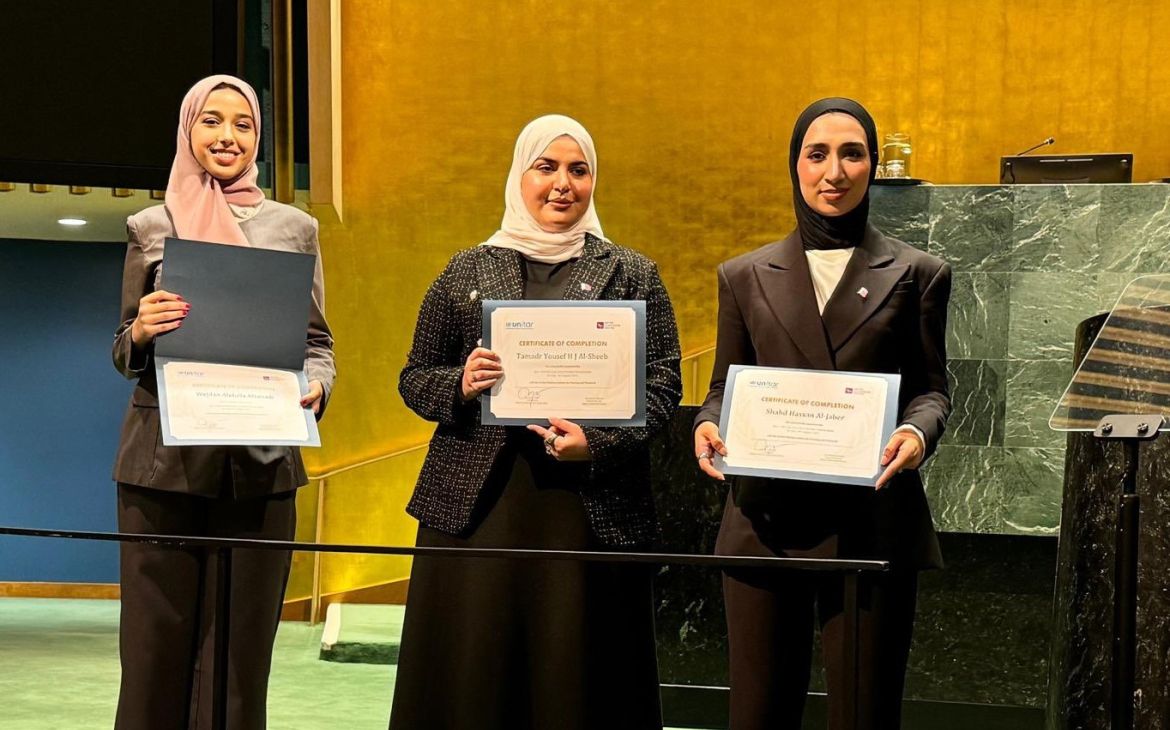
(1030, 262)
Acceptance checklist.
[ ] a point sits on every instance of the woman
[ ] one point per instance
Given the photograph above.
(836, 294)
(241, 492)
(502, 644)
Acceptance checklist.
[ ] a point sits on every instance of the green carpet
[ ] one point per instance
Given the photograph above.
(59, 671)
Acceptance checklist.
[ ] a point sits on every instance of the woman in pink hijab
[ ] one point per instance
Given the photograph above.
(219, 491)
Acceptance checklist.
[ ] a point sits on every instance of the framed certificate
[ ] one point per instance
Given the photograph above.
(582, 361)
(233, 374)
(216, 404)
(812, 425)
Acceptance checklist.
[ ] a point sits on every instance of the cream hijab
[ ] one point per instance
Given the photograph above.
(197, 201)
(519, 230)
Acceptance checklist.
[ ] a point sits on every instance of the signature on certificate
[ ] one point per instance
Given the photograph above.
(530, 395)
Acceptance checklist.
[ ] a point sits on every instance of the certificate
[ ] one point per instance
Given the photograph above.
(233, 373)
(218, 403)
(582, 361)
(813, 425)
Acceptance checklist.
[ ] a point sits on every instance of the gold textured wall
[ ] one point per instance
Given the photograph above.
(690, 104)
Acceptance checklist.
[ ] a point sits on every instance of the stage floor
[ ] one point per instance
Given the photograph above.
(59, 671)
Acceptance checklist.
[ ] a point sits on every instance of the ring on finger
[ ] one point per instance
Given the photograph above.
(704, 455)
(549, 439)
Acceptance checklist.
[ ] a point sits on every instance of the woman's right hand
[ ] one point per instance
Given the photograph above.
(707, 444)
(480, 372)
(158, 312)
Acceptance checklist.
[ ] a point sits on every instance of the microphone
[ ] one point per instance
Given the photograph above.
(1045, 143)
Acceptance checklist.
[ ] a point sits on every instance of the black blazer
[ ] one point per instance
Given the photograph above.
(616, 486)
(768, 316)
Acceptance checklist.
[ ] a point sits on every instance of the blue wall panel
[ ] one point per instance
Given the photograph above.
(61, 404)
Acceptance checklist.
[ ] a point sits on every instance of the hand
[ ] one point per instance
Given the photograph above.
(313, 397)
(563, 440)
(904, 451)
(158, 313)
(480, 372)
(707, 444)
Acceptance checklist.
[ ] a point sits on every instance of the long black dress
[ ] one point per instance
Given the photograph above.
(492, 644)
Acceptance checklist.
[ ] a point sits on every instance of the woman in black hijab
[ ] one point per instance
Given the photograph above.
(836, 294)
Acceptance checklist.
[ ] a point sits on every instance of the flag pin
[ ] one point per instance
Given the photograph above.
(473, 295)
(863, 293)
(586, 286)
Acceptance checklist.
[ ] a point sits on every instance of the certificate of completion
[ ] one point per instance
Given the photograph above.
(813, 425)
(234, 373)
(218, 403)
(582, 361)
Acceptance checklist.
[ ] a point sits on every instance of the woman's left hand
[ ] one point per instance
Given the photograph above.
(904, 451)
(563, 440)
(313, 397)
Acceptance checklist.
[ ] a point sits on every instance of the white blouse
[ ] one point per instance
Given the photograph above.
(827, 267)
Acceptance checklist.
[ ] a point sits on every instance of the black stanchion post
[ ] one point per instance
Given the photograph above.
(850, 646)
(223, 608)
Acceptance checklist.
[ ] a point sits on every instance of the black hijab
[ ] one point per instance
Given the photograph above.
(821, 231)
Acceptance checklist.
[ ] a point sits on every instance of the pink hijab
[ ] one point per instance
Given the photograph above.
(197, 201)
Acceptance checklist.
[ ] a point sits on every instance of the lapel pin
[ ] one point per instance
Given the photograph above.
(585, 286)
(473, 295)
(863, 293)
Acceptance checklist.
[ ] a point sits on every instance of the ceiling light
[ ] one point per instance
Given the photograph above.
(72, 222)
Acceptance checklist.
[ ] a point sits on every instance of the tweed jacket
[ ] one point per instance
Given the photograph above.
(142, 459)
(768, 316)
(615, 489)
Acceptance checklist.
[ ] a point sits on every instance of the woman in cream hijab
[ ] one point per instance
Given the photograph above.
(219, 491)
(503, 644)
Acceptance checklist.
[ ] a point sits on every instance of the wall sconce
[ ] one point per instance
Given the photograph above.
(79, 190)
(7, 187)
(121, 192)
(158, 195)
(39, 188)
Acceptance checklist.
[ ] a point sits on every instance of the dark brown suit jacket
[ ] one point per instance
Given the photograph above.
(768, 316)
(616, 486)
(142, 459)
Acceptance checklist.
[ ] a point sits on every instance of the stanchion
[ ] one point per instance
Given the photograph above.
(850, 647)
(223, 630)
(220, 549)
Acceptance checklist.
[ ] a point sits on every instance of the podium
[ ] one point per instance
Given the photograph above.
(1110, 659)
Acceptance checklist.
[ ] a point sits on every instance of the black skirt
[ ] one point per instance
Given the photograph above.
(502, 644)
